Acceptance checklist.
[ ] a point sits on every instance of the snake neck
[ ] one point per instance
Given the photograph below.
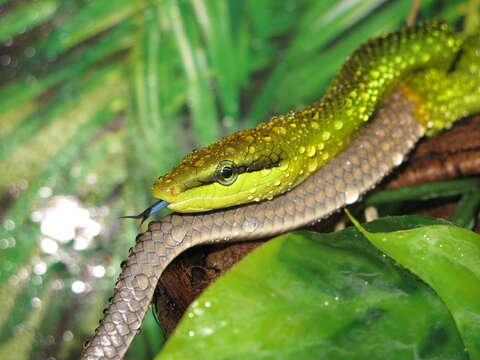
(309, 139)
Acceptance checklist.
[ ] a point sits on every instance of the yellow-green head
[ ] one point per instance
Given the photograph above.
(244, 167)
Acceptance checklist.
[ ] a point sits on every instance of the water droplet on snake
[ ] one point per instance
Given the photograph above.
(351, 195)
(312, 165)
(397, 158)
(338, 124)
(283, 165)
(311, 151)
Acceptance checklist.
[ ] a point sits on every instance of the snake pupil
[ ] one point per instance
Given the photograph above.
(227, 172)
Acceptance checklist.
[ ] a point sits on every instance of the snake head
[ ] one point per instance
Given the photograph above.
(244, 167)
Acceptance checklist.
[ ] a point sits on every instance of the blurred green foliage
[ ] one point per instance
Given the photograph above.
(98, 98)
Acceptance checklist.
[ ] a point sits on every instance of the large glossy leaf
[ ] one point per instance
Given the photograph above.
(448, 259)
(306, 295)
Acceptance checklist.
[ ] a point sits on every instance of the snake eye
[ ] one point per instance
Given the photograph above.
(226, 172)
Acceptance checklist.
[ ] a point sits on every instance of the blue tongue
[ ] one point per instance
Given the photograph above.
(159, 205)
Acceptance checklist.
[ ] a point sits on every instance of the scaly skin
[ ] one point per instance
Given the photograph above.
(378, 146)
(286, 150)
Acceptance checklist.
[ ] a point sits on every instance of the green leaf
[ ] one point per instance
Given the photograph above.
(425, 191)
(448, 259)
(90, 20)
(25, 17)
(223, 50)
(467, 209)
(155, 129)
(204, 114)
(314, 296)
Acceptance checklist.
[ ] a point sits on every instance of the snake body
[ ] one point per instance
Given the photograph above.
(360, 154)
(280, 154)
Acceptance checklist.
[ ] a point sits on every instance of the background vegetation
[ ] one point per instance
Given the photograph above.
(98, 98)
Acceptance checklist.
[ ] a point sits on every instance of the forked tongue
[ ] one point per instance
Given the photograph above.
(159, 205)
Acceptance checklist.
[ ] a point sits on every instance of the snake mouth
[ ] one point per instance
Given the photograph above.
(144, 215)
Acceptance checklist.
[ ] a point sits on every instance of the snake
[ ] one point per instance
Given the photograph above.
(296, 169)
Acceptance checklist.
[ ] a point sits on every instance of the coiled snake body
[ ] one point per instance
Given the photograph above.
(390, 93)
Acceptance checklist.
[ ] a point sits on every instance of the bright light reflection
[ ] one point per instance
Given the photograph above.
(48, 246)
(98, 271)
(36, 302)
(78, 287)
(92, 229)
(61, 219)
(64, 219)
(40, 268)
(81, 242)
